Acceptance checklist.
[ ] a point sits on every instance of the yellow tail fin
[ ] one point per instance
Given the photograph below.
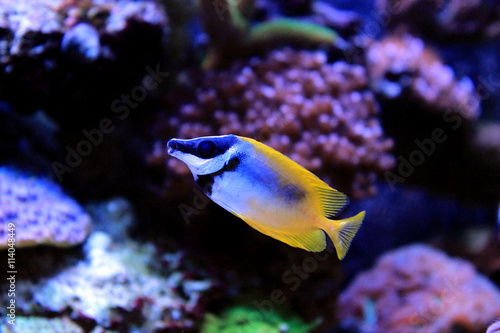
(343, 231)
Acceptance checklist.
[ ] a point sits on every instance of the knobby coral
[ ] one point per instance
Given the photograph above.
(420, 289)
(404, 67)
(319, 114)
(40, 211)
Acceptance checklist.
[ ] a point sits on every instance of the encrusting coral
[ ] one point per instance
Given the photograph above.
(402, 66)
(418, 289)
(120, 286)
(319, 114)
(41, 212)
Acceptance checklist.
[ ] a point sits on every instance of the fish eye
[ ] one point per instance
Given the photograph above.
(206, 149)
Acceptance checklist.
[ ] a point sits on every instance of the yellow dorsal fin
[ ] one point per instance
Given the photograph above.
(331, 202)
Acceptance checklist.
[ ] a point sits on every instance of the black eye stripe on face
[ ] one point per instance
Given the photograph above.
(205, 148)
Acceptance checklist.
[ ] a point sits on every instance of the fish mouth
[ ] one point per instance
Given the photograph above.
(178, 147)
(172, 146)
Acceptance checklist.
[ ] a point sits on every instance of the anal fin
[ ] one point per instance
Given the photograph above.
(312, 241)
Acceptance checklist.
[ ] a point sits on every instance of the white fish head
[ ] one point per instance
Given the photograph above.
(204, 155)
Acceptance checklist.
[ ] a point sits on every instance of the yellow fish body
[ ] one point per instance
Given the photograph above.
(269, 191)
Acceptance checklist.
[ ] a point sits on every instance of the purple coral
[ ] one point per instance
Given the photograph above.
(420, 289)
(404, 67)
(445, 19)
(319, 114)
(40, 211)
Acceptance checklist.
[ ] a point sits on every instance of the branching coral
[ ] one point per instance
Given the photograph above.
(40, 211)
(419, 289)
(319, 114)
(404, 67)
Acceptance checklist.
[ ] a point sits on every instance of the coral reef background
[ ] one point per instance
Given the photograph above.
(319, 114)
(395, 103)
(418, 289)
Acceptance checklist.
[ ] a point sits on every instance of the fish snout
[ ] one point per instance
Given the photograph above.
(172, 146)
